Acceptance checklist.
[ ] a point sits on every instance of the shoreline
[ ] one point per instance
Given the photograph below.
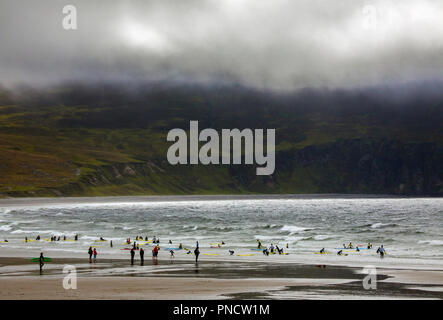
(163, 279)
(15, 201)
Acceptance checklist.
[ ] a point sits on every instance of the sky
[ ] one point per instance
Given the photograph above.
(277, 45)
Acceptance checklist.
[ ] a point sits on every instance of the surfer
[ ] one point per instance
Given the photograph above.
(111, 243)
(266, 252)
(369, 245)
(322, 250)
(180, 246)
(142, 256)
(340, 252)
(155, 252)
(38, 238)
(132, 256)
(95, 255)
(170, 242)
(172, 253)
(197, 244)
(76, 237)
(280, 251)
(271, 248)
(350, 246)
(287, 245)
(231, 252)
(357, 249)
(90, 254)
(259, 245)
(197, 253)
(381, 251)
(42, 261)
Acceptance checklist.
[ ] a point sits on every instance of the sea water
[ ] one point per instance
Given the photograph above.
(409, 228)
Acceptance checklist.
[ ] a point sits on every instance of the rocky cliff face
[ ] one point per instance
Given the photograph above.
(347, 166)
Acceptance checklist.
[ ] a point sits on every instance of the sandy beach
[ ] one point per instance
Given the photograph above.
(163, 279)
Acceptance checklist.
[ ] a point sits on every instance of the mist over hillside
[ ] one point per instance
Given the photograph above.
(110, 139)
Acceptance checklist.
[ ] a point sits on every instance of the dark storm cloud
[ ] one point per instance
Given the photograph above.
(265, 44)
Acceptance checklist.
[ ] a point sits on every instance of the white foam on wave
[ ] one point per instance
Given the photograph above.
(432, 242)
(323, 237)
(294, 229)
(5, 228)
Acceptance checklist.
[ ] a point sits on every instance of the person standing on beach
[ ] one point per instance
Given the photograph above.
(155, 252)
(132, 256)
(111, 243)
(197, 253)
(142, 256)
(42, 261)
(95, 255)
(90, 252)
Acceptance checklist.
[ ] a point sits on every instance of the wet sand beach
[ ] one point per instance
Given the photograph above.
(165, 279)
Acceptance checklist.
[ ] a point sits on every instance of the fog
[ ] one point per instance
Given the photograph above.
(276, 45)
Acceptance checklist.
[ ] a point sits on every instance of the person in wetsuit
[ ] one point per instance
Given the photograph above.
(132, 256)
(142, 256)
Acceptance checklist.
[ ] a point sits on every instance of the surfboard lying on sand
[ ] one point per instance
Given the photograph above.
(326, 252)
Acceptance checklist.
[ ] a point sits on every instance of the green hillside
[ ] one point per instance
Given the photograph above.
(111, 140)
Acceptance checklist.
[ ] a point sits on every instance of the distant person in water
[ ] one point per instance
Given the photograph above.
(41, 261)
(259, 245)
(172, 253)
(170, 242)
(231, 252)
(381, 251)
(197, 253)
(287, 246)
(76, 237)
(95, 255)
(180, 246)
(132, 256)
(146, 238)
(142, 256)
(357, 249)
(90, 252)
(197, 244)
(111, 243)
(350, 246)
(38, 238)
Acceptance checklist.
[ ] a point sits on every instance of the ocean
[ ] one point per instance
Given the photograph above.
(411, 229)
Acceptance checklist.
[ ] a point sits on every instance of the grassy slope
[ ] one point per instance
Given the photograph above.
(48, 148)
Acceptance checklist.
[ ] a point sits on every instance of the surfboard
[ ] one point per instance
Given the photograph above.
(211, 254)
(326, 252)
(100, 240)
(45, 259)
(4, 241)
